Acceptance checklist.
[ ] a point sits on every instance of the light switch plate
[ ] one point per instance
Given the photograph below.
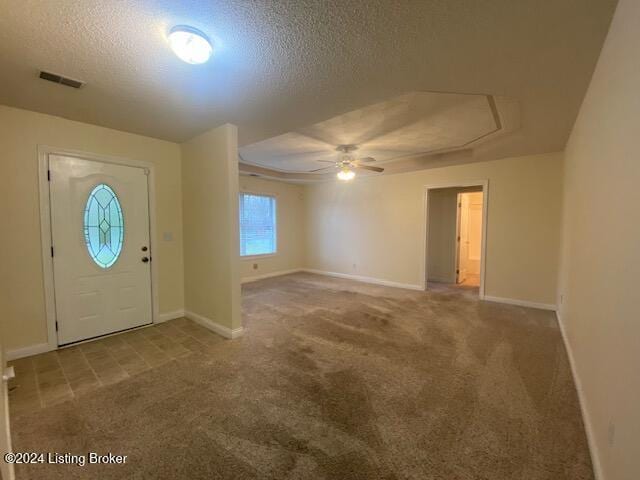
(8, 374)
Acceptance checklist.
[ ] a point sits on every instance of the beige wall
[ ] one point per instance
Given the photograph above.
(21, 132)
(601, 249)
(376, 224)
(210, 202)
(290, 227)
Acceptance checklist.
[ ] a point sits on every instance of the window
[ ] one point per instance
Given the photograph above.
(103, 226)
(257, 225)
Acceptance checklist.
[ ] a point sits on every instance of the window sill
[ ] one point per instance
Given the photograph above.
(255, 257)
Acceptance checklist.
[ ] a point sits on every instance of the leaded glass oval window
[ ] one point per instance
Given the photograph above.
(103, 226)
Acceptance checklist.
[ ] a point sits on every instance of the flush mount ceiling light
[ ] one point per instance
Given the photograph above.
(346, 174)
(190, 44)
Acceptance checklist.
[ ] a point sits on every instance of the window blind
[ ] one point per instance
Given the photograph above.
(257, 224)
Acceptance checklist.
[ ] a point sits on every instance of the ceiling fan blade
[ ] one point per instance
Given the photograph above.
(367, 159)
(318, 169)
(367, 167)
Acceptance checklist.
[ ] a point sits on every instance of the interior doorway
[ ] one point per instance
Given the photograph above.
(455, 236)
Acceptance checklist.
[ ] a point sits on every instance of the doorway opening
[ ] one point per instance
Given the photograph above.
(455, 237)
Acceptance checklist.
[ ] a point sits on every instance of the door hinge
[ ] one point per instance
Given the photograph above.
(48, 175)
(51, 251)
(458, 238)
(457, 272)
(56, 325)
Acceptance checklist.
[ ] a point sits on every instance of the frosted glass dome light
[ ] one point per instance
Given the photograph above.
(189, 44)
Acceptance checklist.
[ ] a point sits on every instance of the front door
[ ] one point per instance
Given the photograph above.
(101, 251)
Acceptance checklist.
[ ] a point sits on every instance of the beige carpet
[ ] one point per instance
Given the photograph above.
(338, 380)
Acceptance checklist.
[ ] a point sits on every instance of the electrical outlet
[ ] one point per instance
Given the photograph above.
(255, 266)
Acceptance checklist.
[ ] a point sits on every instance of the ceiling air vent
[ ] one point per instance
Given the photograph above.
(53, 77)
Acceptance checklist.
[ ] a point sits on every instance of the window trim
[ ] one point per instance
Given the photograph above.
(259, 255)
(276, 231)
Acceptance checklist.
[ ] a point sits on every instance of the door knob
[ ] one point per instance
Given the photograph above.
(145, 259)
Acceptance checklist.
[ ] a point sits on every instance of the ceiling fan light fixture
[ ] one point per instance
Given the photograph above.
(190, 44)
(346, 174)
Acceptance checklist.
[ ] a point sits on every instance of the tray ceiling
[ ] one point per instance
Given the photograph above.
(416, 123)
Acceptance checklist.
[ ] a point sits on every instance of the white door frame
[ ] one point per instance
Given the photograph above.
(485, 220)
(45, 228)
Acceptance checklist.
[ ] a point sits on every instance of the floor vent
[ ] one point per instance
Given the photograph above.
(53, 77)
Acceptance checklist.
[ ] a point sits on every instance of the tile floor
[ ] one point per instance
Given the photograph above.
(472, 280)
(55, 377)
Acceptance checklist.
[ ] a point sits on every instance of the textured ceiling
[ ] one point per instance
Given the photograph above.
(408, 125)
(279, 65)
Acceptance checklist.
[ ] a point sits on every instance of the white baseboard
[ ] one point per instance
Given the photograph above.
(17, 353)
(442, 280)
(360, 278)
(586, 418)
(521, 303)
(214, 326)
(269, 275)
(163, 317)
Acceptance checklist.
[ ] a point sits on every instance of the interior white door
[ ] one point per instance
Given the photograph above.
(463, 237)
(101, 251)
(475, 232)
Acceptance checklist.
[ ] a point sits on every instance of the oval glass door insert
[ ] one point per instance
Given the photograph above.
(103, 226)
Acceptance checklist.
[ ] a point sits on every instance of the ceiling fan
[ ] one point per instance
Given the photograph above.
(347, 163)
